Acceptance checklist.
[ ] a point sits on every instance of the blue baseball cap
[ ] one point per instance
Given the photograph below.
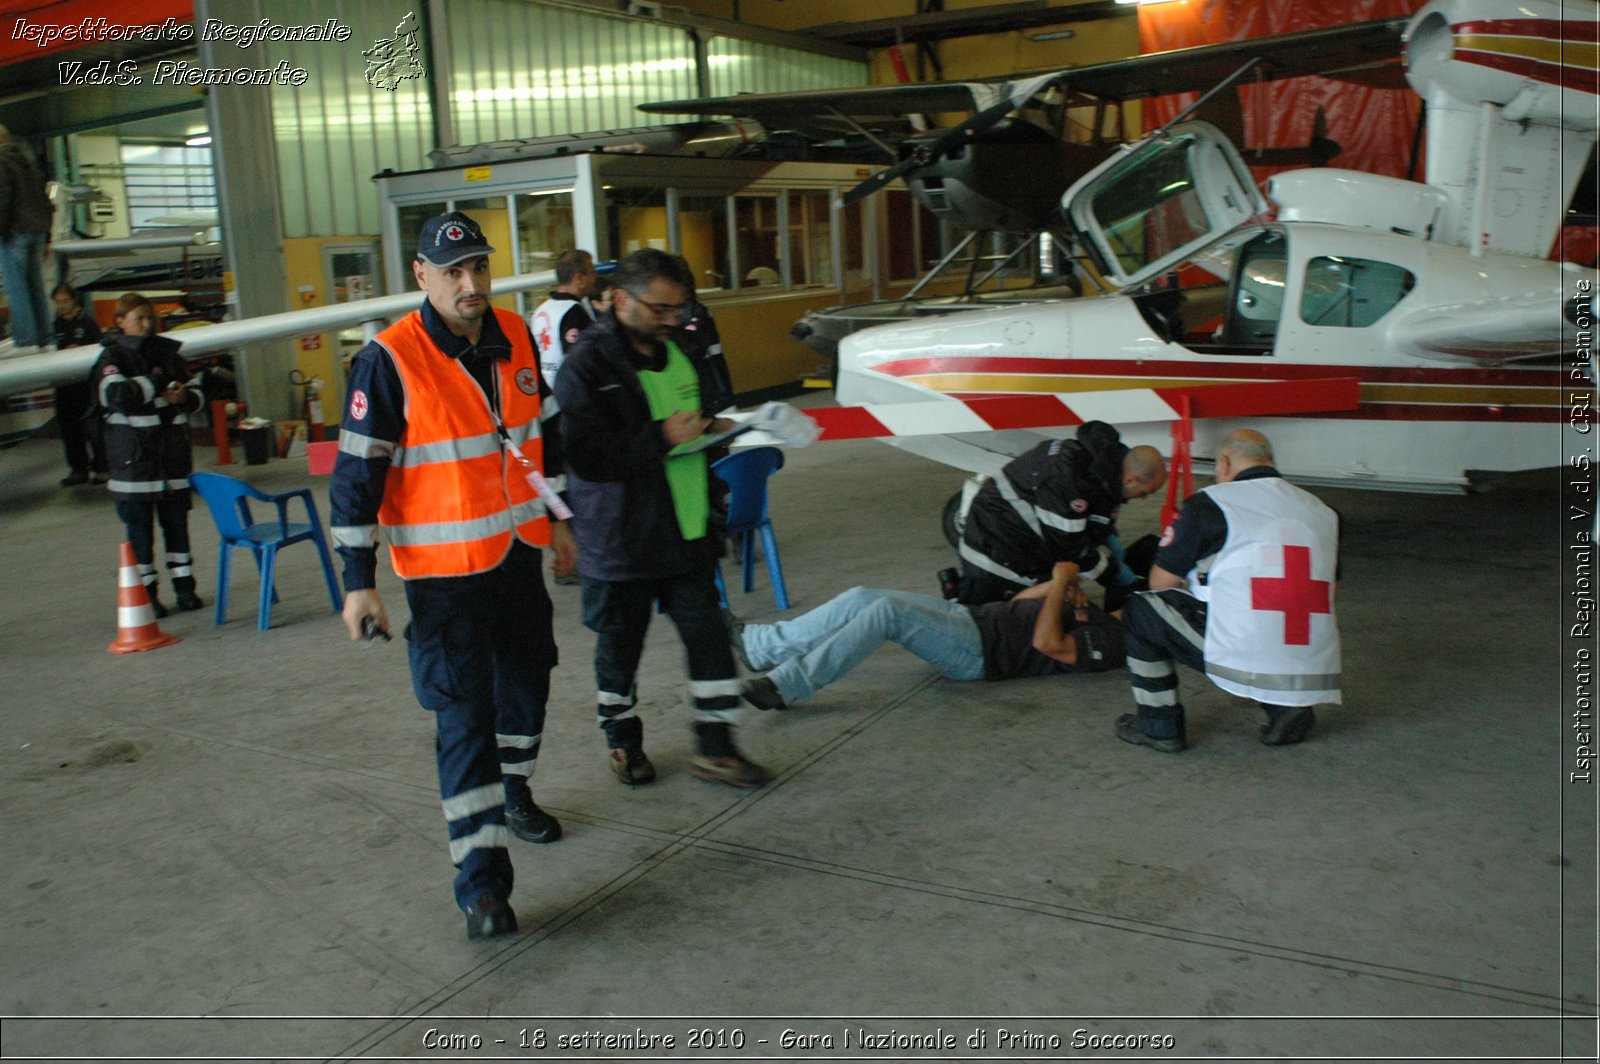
(451, 238)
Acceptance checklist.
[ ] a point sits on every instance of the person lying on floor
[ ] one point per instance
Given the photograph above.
(1048, 628)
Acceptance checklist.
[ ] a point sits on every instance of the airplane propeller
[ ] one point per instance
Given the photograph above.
(924, 153)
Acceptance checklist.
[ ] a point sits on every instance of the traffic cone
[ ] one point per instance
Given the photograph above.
(136, 621)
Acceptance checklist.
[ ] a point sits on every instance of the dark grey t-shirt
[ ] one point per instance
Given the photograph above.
(1006, 631)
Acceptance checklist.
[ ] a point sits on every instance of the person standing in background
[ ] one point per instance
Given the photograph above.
(82, 431)
(142, 382)
(558, 321)
(25, 215)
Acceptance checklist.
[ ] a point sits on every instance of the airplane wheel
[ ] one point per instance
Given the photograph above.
(952, 520)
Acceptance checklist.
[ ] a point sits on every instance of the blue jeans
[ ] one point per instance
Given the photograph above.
(817, 648)
(22, 273)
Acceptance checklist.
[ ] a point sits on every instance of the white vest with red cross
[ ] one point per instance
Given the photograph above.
(1271, 634)
(545, 325)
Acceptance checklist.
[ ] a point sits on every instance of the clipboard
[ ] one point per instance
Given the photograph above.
(707, 441)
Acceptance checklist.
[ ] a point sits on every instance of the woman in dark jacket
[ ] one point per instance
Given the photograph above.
(141, 381)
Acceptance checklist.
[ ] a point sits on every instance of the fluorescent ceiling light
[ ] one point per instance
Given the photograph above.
(1053, 35)
(199, 140)
(1144, 1)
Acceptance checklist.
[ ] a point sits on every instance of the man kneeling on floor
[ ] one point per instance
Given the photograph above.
(1242, 588)
(1048, 628)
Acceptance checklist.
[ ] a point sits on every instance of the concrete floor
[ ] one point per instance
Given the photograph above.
(233, 846)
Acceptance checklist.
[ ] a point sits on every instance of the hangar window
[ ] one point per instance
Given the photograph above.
(756, 233)
(1342, 292)
(544, 229)
(810, 238)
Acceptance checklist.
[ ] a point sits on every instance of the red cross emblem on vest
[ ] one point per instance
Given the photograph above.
(1294, 594)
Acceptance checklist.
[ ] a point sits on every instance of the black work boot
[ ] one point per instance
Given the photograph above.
(156, 605)
(628, 762)
(489, 916)
(1130, 731)
(183, 588)
(527, 821)
(1287, 724)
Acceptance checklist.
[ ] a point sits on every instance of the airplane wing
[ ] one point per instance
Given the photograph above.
(872, 101)
(1361, 51)
(1121, 406)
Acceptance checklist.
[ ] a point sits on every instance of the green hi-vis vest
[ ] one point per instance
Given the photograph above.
(669, 391)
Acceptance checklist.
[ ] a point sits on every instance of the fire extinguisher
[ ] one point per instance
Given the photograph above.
(313, 403)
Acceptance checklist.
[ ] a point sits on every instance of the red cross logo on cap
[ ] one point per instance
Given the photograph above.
(1294, 594)
(454, 232)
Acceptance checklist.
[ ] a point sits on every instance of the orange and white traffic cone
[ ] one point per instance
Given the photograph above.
(136, 620)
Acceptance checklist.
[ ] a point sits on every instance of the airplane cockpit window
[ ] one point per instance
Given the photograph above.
(1345, 292)
(1257, 292)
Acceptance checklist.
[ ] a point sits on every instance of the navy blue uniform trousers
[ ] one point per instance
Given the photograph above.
(481, 653)
(619, 613)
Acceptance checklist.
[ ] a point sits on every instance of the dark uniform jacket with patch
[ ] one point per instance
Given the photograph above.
(147, 438)
(1056, 503)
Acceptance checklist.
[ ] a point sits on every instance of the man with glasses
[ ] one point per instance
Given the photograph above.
(633, 404)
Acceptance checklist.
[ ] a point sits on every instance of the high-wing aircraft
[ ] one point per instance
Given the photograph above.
(1053, 127)
(1435, 294)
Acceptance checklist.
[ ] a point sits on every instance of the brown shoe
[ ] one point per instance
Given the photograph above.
(734, 770)
(632, 767)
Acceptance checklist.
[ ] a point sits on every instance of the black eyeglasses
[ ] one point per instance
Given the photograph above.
(666, 310)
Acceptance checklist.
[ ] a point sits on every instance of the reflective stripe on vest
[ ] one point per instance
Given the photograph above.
(1270, 633)
(454, 497)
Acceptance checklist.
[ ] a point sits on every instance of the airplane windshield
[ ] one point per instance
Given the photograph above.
(1150, 210)
(1144, 212)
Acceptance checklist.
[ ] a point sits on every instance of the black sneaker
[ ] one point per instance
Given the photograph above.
(736, 640)
(1128, 731)
(74, 478)
(1289, 726)
(490, 916)
(632, 767)
(188, 600)
(762, 693)
(531, 824)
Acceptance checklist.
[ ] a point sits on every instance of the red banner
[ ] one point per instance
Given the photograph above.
(1374, 126)
(30, 29)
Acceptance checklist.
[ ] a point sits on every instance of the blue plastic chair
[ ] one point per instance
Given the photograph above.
(228, 500)
(745, 472)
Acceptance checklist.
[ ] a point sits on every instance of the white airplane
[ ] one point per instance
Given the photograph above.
(1436, 295)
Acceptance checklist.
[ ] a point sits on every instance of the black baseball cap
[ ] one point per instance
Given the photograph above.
(451, 238)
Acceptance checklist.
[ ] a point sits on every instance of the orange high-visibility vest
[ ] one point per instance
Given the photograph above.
(455, 496)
